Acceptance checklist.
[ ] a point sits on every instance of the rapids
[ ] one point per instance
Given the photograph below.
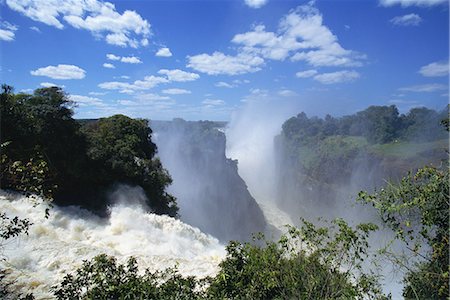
(60, 243)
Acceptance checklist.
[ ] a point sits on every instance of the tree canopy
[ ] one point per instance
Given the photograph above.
(46, 151)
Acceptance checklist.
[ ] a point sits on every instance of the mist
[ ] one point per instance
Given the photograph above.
(209, 191)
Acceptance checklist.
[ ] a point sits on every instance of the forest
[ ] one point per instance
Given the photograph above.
(46, 152)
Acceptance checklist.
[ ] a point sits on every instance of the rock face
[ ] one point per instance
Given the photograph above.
(210, 193)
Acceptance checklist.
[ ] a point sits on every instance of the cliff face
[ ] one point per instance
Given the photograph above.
(210, 193)
(323, 179)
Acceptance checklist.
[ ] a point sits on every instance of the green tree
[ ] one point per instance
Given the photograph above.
(44, 151)
(416, 209)
(122, 151)
(307, 263)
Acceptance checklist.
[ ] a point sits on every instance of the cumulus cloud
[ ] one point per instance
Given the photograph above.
(337, 77)
(60, 72)
(149, 82)
(301, 36)
(306, 74)
(407, 20)
(86, 101)
(255, 3)
(112, 57)
(425, 88)
(176, 91)
(124, 59)
(219, 63)
(179, 75)
(7, 31)
(406, 3)
(164, 52)
(100, 18)
(49, 84)
(435, 69)
(108, 66)
(131, 60)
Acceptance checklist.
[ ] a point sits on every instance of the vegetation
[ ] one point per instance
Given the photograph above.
(46, 152)
(378, 124)
(417, 210)
(307, 263)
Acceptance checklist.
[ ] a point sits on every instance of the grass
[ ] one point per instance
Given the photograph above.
(402, 149)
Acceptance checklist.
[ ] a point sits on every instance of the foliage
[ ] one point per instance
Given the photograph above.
(378, 124)
(104, 278)
(307, 263)
(122, 151)
(416, 209)
(45, 151)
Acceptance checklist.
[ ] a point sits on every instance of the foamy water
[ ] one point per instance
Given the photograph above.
(59, 244)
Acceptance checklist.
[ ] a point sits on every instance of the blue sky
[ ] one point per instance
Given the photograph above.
(205, 59)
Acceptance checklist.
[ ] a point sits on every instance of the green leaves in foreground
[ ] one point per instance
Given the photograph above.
(307, 263)
(417, 210)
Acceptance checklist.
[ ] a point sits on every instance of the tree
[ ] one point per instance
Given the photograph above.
(44, 151)
(122, 151)
(307, 263)
(416, 209)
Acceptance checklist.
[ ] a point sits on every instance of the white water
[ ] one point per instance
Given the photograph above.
(59, 244)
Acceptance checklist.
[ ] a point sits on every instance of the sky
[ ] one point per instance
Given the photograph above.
(205, 59)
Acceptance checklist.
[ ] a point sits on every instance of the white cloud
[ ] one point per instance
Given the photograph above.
(287, 93)
(255, 3)
(128, 88)
(219, 63)
(34, 28)
(97, 93)
(49, 84)
(175, 91)
(306, 74)
(406, 3)
(301, 36)
(435, 69)
(124, 59)
(149, 82)
(60, 72)
(407, 20)
(112, 57)
(213, 102)
(224, 84)
(7, 31)
(109, 66)
(86, 101)
(164, 52)
(425, 88)
(179, 75)
(337, 77)
(131, 60)
(100, 18)
(151, 97)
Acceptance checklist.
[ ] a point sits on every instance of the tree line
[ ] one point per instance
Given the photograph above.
(378, 124)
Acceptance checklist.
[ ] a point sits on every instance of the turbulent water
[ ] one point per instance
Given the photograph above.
(70, 235)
